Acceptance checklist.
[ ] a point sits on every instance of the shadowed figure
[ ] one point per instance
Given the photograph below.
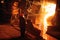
(22, 25)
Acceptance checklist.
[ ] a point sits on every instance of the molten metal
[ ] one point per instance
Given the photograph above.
(49, 11)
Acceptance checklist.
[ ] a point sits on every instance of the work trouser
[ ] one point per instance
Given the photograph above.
(22, 31)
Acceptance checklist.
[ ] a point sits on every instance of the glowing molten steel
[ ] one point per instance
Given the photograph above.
(49, 11)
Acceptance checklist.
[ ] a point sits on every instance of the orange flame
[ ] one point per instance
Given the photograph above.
(49, 11)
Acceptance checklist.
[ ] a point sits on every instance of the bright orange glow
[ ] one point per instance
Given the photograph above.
(48, 10)
(15, 8)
